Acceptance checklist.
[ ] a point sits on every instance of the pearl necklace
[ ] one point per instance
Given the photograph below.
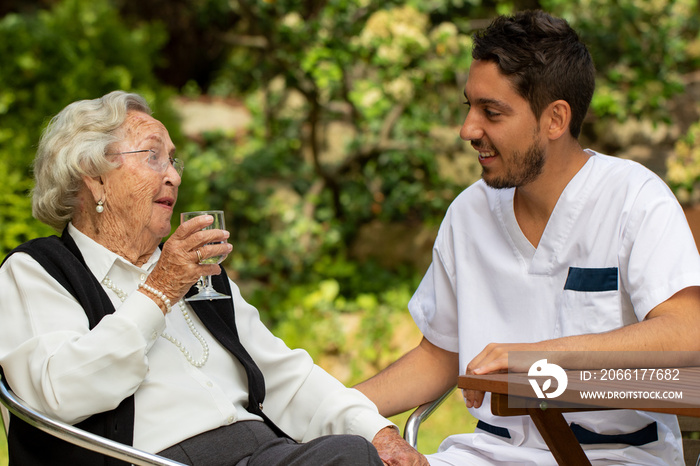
(107, 282)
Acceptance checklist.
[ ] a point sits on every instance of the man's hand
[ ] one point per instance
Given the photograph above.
(494, 358)
(393, 450)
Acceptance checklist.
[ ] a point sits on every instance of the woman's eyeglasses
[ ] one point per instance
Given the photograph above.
(158, 162)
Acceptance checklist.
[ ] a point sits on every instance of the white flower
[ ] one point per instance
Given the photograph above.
(292, 20)
(371, 97)
(401, 89)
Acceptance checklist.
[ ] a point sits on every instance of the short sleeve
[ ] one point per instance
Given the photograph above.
(434, 304)
(662, 257)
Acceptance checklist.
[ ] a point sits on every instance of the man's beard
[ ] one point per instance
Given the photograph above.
(523, 169)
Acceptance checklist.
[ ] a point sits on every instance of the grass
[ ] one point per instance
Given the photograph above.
(451, 418)
(3, 445)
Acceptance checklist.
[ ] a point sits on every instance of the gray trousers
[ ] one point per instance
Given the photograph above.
(252, 443)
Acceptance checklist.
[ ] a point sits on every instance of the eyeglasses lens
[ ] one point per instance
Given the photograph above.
(159, 162)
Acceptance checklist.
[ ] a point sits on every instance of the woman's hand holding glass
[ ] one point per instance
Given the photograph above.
(183, 259)
(207, 292)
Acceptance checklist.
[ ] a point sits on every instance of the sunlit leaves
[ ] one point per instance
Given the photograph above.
(641, 49)
(79, 49)
(684, 166)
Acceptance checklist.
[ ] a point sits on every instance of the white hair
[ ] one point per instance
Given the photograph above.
(74, 145)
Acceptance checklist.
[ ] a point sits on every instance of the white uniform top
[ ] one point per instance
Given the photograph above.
(61, 367)
(488, 284)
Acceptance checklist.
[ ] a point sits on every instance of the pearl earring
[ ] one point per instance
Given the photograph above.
(100, 208)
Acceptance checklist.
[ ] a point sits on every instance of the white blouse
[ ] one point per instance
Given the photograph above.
(60, 367)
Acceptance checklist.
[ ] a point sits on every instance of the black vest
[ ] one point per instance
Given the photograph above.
(62, 259)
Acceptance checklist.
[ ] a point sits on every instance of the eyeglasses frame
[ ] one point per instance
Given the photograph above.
(179, 168)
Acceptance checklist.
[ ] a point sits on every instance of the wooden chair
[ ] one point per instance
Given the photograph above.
(690, 429)
(79, 437)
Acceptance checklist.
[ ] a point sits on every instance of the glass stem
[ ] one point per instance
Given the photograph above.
(207, 283)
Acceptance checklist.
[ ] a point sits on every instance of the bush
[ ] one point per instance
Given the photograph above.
(683, 167)
(80, 49)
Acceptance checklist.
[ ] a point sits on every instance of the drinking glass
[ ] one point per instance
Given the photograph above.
(207, 292)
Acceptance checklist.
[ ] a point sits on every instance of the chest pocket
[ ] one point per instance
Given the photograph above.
(591, 280)
(590, 301)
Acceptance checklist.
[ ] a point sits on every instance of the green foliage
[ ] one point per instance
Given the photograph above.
(289, 254)
(346, 100)
(3, 445)
(355, 108)
(641, 50)
(343, 101)
(78, 50)
(683, 166)
(15, 206)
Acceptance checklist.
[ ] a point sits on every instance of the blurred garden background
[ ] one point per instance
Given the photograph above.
(327, 130)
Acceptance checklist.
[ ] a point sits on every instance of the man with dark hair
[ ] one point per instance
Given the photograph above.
(557, 248)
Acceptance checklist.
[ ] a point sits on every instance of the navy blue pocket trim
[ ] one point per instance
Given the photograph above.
(584, 436)
(643, 436)
(500, 431)
(604, 279)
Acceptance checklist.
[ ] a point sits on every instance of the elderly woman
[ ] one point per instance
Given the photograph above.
(88, 336)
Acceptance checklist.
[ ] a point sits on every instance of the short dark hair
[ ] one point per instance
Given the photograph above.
(544, 59)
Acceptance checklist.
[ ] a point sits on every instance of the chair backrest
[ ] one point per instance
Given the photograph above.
(74, 435)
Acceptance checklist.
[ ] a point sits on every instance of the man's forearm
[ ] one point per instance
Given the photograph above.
(420, 376)
(673, 325)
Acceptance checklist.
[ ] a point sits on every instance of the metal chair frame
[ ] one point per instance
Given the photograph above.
(77, 436)
(419, 415)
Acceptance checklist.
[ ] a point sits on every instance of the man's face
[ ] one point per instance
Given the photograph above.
(502, 128)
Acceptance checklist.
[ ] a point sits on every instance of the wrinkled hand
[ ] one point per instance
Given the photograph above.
(178, 267)
(393, 450)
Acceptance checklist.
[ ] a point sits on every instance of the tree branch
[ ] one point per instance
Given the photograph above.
(253, 42)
